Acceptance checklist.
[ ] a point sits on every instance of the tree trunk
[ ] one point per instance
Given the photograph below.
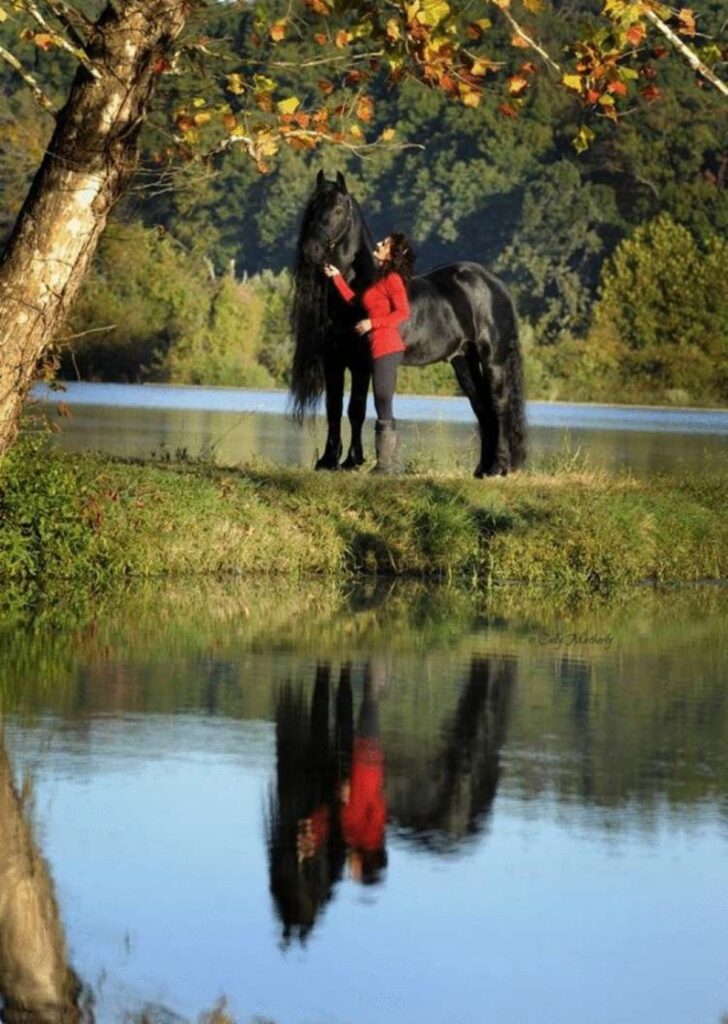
(89, 161)
(36, 983)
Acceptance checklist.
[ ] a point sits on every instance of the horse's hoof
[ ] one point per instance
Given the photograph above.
(326, 464)
(478, 474)
(351, 463)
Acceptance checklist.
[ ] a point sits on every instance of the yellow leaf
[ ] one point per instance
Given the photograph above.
(393, 29)
(3, 15)
(289, 106)
(356, 131)
(583, 139)
(202, 118)
(432, 12)
(266, 144)
(471, 99)
(278, 30)
(199, 102)
(388, 134)
(263, 84)
(517, 84)
(235, 84)
(572, 82)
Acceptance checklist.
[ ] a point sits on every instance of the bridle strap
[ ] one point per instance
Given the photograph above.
(332, 243)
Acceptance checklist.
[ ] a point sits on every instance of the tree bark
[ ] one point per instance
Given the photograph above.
(89, 161)
(36, 983)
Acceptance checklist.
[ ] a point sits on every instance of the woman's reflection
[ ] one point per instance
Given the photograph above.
(36, 984)
(330, 808)
(362, 798)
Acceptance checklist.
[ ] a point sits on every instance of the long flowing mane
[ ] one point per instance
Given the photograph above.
(309, 324)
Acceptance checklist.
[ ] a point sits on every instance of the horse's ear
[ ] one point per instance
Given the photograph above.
(320, 179)
(341, 182)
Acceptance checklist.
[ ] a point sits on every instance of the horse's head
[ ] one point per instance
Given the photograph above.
(327, 220)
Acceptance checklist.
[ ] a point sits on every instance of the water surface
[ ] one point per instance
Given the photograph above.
(555, 783)
(235, 425)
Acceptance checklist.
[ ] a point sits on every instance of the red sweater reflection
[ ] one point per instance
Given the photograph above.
(364, 805)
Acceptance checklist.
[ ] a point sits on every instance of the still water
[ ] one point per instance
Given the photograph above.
(237, 426)
(390, 805)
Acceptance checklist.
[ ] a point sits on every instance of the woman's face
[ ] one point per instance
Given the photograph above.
(383, 250)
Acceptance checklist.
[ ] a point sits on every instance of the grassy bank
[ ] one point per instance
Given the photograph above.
(93, 519)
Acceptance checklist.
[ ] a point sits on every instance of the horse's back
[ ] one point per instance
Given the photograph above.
(455, 304)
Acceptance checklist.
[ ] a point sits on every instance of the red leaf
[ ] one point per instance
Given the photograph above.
(636, 34)
(618, 88)
(507, 110)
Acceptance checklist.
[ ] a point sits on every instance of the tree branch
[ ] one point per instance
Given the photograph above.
(545, 57)
(690, 56)
(78, 52)
(70, 18)
(29, 80)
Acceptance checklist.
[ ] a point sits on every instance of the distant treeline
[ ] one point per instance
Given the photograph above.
(617, 258)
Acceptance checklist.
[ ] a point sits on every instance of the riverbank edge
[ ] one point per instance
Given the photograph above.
(93, 519)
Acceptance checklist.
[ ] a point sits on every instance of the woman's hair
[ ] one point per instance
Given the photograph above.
(402, 257)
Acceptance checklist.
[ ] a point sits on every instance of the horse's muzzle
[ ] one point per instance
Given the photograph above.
(314, 252)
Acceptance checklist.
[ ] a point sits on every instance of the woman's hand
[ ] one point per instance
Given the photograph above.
(363, 327)
(330, 270)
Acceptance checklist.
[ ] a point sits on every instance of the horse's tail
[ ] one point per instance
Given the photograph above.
(510, 347)
(516, 412)
(309, 321)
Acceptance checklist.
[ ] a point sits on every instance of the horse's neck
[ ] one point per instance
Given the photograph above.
(357, 262)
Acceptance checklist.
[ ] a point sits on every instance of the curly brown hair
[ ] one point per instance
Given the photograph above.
(402, 257)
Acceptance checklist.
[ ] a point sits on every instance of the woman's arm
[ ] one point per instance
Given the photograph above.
(400, 302)
(342, 287)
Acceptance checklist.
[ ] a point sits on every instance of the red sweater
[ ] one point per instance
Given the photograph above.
(364, 817)
(386, 305)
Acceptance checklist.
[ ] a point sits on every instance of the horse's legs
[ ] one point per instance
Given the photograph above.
(360, 376)
(490, 382)
(334, 380)
(499, 453)
(470, 377)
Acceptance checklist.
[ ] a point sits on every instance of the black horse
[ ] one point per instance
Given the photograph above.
(460, 312)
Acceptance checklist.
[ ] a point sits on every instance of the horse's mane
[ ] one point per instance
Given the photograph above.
(309, 324)
(310, 316)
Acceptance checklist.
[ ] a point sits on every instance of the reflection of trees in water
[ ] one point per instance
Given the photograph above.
(36, 984)
(442, 801)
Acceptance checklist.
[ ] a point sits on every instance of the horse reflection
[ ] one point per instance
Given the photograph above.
(328, 808)
(37, 986)
(449, 799)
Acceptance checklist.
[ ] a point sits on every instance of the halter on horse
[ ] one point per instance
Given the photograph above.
(460, 313)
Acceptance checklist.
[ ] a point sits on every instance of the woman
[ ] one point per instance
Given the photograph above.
(387, 306)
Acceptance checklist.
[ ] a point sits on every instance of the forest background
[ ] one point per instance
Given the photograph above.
(617, 256)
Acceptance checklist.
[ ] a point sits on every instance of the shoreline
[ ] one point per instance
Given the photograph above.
(93, 519)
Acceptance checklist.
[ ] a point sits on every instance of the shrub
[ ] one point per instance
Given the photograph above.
(663, 311)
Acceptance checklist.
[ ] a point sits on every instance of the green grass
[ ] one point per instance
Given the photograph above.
(92, 519)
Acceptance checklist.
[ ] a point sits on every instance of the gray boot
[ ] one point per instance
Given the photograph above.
(386, 444)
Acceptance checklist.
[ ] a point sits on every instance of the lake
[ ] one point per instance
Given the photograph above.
(238, 426)
(392, 803)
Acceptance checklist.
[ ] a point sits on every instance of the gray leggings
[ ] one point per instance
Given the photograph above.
(384, 379)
